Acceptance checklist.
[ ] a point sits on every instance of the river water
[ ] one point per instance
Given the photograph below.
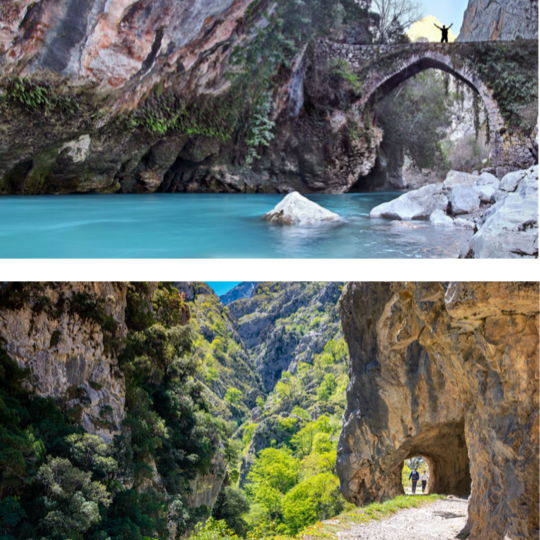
(200, 225)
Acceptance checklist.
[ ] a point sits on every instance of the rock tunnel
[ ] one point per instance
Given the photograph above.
(445, 450)
(448, 372)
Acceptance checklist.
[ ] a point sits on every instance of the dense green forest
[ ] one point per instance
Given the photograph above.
(191, 388)
(60, 482)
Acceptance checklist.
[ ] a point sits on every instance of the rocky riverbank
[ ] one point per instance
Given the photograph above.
(503, 213)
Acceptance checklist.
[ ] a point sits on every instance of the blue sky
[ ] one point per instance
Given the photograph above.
(447, 12)
(222, 287)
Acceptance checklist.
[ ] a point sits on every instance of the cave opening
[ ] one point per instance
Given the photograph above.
(442, 452)
(421, 466)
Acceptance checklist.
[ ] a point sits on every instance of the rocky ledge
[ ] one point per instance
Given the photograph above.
(503, 213)
(448, 372)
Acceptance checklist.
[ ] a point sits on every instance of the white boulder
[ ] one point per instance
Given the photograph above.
(440, 219)
(511, 180)
(417, 204)
(295, 209)
(486, 186)
(464, 200)
(458, 178)
(510, 227)
(487, 179)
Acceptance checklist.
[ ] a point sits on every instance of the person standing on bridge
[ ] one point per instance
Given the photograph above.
(444, 31)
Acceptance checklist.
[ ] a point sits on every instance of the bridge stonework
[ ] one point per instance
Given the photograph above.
(381, 68)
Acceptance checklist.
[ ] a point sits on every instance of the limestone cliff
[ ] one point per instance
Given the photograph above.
(285, 323)
(448, 372)
(56, 331)
(486, 20)
(72, 72)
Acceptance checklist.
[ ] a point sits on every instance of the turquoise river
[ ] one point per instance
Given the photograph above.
(181, 225)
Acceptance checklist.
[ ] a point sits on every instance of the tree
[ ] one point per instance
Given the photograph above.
(73, 498)
(316, 498)
(231, 506)
(233, 396)
(327, 387)
(415, 117)
(393, 18)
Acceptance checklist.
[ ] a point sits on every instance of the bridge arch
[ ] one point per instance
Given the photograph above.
(377, 86)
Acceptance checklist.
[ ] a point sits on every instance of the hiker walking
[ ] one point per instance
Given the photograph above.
(444, 31)
(424, 479)
(414, 476)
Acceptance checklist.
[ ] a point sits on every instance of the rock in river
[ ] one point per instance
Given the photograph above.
(417, 204)
(297, 210)
(510, 227)
(464, 200)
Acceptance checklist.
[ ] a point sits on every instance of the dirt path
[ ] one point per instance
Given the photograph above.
(441, 520)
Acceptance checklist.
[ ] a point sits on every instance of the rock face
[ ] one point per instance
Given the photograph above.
(244, 290)
(297, 210)
(67, 352)
(417, 204)
(448, 372)
(264, 324)
(110, 58)
(509, 229)
(485, 20)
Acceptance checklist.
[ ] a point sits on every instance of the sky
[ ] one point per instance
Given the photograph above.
(448, 12)
(222, 287)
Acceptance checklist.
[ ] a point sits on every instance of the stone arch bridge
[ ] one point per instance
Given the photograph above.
(381, 68)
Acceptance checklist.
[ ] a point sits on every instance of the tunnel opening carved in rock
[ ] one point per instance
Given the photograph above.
(444, 450)
(448, 372)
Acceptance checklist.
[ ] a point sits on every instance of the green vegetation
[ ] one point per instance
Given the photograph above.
(58, 482)
(344, 70)
(415, 116)
(510, 71)
(244, 114)
(40, 96)
(218, 530)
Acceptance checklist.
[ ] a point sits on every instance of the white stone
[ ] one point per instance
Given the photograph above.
(295, 209)
(464, 200)
(487, 179)
(440, 219)
(510, 227)
(511, 180)
(78, 150)
(457, 178)
(417, 204)
(485, 193)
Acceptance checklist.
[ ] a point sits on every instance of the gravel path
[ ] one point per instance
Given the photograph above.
(441, 520)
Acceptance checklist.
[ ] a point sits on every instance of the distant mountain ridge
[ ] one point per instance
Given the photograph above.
(244, 290)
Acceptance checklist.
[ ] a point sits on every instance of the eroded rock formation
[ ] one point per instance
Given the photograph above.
(485, 20)
(66, 351)
(448, 372)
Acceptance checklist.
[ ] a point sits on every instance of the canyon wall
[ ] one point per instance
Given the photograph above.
(448, 372)
(84, 67)
(485, 20)
(47, 329)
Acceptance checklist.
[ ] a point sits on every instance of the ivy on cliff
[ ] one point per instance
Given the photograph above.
(275, 34)
(511, 72)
